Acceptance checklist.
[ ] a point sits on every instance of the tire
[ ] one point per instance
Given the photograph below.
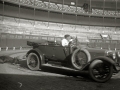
(118, 58)
(80, 57)
(33, 62)
(100, 71)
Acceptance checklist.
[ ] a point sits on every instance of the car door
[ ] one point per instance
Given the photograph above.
(49, 52)
(61, 52)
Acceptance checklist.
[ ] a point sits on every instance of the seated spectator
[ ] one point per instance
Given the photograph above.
(67, 39)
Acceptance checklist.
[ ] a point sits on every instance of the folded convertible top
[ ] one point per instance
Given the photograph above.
(42, 42)
(37, 42)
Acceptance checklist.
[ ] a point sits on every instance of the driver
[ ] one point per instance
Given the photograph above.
(67, 39)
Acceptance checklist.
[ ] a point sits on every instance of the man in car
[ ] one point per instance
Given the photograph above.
(67, 39)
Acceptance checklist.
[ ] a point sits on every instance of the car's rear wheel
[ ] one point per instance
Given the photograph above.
(80, 57)
(33, 61)
(100, 71)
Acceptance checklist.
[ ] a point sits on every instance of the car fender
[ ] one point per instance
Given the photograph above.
(39, 53)
(102, 58)
(109, 60)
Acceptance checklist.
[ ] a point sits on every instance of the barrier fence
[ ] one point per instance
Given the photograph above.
(19, 41)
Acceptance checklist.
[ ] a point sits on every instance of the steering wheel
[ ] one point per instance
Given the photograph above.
(73, 43)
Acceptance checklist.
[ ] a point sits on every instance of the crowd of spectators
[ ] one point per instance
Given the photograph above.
(30, 27)
(65, 8)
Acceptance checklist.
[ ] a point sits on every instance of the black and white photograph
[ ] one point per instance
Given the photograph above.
(59, 44)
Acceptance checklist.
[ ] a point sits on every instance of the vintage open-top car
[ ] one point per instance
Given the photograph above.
(100, 64)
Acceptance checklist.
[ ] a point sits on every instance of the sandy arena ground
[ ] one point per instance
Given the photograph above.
(19, 77)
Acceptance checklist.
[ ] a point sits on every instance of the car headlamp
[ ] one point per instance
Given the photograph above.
(108, 52)
(114, 55)
(111, 54)
(118, 54)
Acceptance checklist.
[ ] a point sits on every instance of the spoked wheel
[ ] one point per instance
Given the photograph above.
(100, 71)
(80, 58)
(33, 62)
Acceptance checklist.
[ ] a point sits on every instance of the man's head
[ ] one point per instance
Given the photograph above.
(68, 37)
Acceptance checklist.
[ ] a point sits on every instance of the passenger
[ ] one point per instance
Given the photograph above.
(67, 39)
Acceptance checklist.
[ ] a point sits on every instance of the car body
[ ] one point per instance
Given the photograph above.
(74, 56)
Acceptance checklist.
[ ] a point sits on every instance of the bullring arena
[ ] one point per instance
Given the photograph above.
(94, 23)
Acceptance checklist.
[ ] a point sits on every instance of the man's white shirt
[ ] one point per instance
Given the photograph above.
(65, 42)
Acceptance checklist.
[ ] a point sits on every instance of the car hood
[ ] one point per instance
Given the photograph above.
(96, 52)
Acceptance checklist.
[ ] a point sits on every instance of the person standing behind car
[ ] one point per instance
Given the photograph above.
(67, 39)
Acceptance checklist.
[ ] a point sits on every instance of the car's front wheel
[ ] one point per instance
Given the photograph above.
(33, 61)
(100, 71)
